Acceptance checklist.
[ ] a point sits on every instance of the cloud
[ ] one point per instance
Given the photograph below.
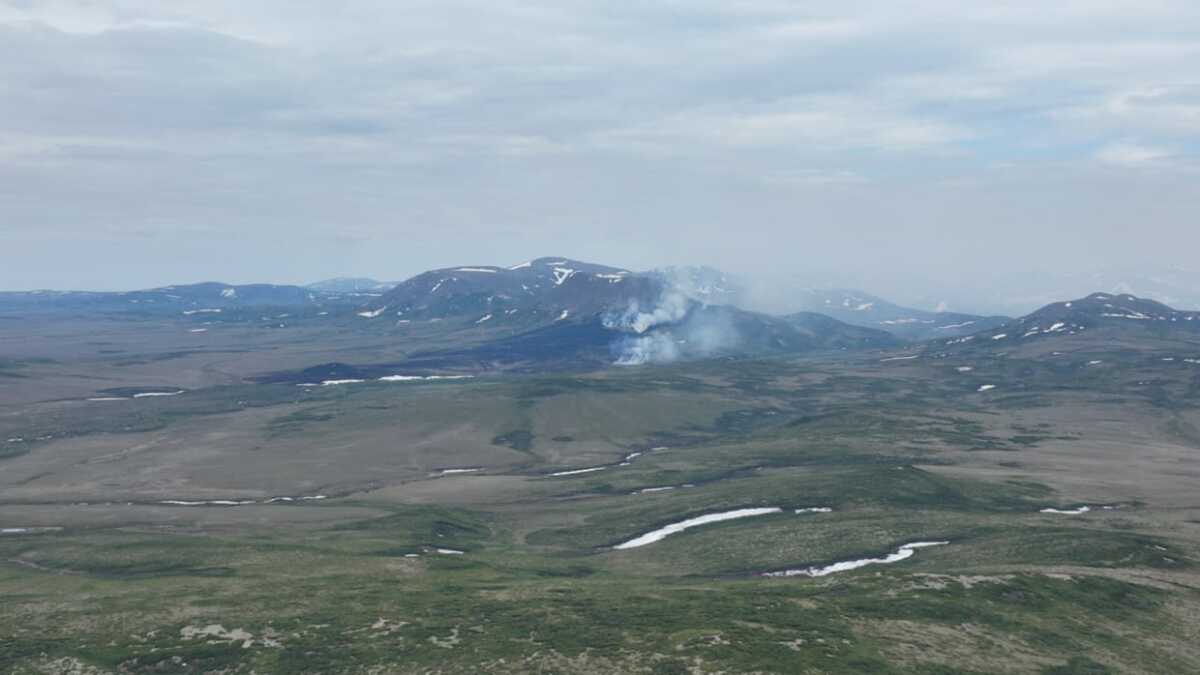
(768, 129)
(1131, 155)
(1170, 109)
(839, 122)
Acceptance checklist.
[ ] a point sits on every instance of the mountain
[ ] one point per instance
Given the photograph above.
(701, 283)
(699, 332)
(208, 297)
(573, 313)
(545, 313)
(861, 309)
(363, 285)
(1099, 316)
(1175, 286)
(830, 333)
(539, 291)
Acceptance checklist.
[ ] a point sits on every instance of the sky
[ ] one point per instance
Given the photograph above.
(932, 151)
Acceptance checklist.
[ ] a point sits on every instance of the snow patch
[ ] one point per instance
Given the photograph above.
(903, 553)
(629, 458)
(575, 472)
(674, 528)
(239, 502)
(1068, 512)
(412, 378)
(952, 326)
(211, 502)
(561, 274)
(28, 530)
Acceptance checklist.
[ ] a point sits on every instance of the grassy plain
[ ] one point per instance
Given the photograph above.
(402, 568)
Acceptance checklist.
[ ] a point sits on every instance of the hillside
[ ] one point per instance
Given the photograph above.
(862, 309)
(352, 285)
(1102, 324)
(187, 299)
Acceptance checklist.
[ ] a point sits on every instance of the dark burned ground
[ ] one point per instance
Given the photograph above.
(403, 568)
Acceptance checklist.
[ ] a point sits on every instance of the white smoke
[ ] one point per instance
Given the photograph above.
(653, 348)
(675, 327)
(702, 284)
(671, 307)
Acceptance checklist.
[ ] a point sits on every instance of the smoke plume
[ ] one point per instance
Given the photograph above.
(674, 327)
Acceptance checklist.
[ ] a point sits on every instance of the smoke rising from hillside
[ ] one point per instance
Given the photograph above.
(675, 326)
(671, 306)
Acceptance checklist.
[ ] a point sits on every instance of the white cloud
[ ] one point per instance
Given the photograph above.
(798, 124)
(1169, 109)
(1131, 154)
(580, 120)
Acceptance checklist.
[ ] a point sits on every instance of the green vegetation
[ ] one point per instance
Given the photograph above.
(497, 567)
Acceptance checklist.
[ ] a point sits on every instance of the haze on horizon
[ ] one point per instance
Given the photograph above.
(931, 153)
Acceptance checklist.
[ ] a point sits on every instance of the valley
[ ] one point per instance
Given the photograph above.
(888, 508)
(599, 338)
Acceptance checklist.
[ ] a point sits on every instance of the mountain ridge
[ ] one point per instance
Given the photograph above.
(863, 309)
(1099, 315)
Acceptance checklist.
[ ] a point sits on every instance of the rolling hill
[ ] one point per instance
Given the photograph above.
(862, 309)
(1098, 319)
(186, 299)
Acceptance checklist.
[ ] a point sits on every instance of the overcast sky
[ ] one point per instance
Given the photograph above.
(929, 148)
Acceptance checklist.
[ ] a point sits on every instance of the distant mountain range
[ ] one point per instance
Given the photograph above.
(558, 308)
(352, 285)
(1103, 317)
(861, 309)
(549, 289)
(1176, 287)
(564, 311)
(207, 297)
